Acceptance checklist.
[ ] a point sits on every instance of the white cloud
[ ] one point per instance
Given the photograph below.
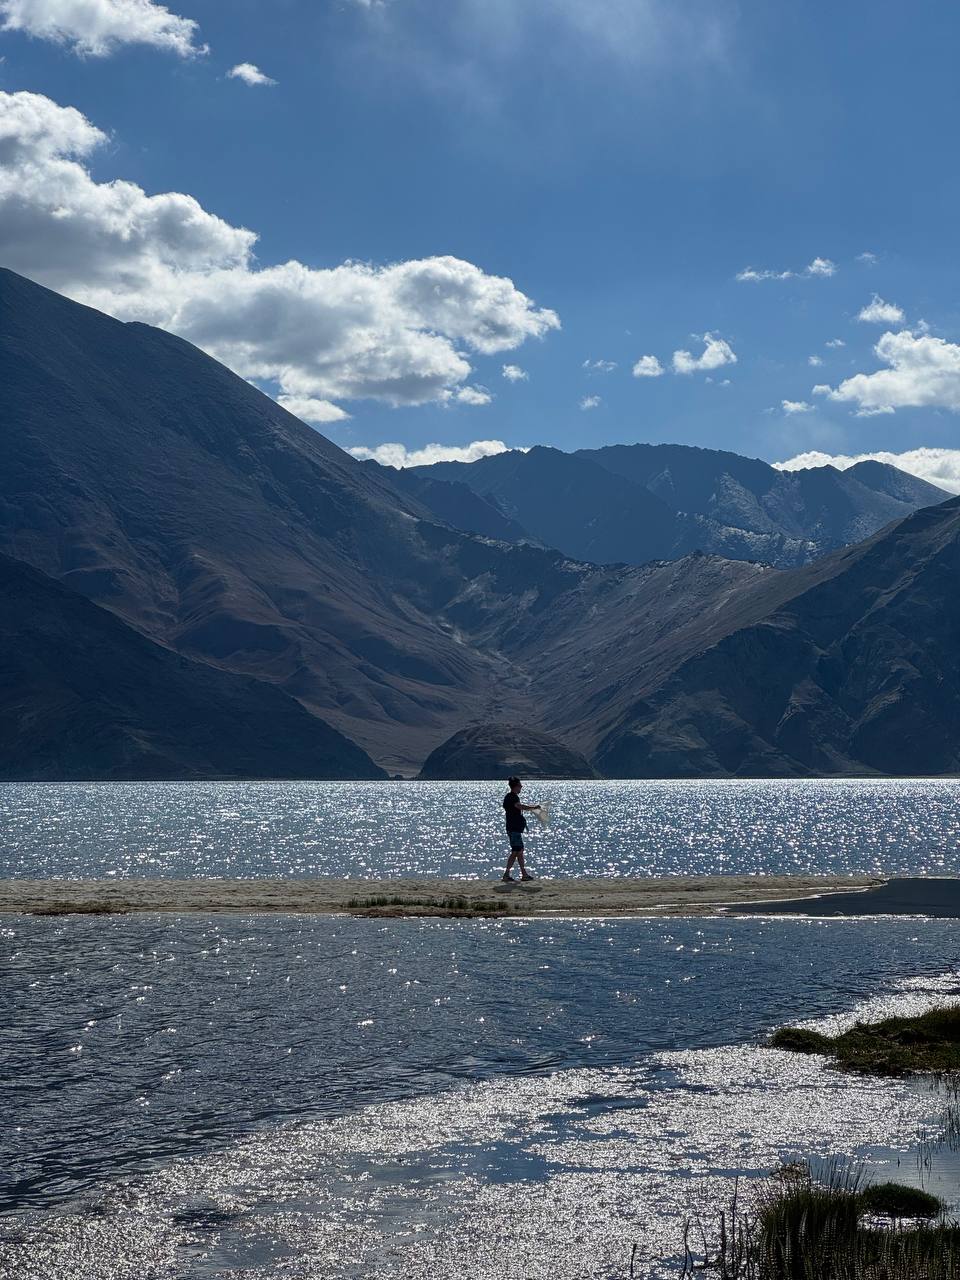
(599, 366)
(647, 367)
(398, 455)
(399, 333)
(821, 267)
(96, 28)
(473, 395)
(314, 411)
(591, 402)
(879, 312)
(818, 267)
(795, 406)
(249, 74)
(923, 372)
(867, 258)
(815, 361)
(513, 373)
(835, 342)
(938, 466)
(716, 353)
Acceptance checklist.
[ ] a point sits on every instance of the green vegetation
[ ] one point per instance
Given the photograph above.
(804, 1229)
(929, 1042)
(397, 905)
(894, 1200)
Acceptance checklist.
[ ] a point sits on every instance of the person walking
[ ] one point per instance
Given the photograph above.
(516, 826)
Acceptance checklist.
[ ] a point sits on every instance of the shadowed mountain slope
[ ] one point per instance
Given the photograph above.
(633, 503)
(153, 480)
(143, 475)
(83, 695)
(857, 672)
(497, 751)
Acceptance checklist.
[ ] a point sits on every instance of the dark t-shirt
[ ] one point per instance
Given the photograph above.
(515, 819)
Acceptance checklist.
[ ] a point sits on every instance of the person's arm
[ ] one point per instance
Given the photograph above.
(529, 807)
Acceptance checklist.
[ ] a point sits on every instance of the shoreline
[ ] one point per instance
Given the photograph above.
(695, 896)
(624, 896)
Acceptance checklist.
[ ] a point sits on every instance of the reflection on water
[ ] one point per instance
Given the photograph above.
(331, 1097)
(441, 828)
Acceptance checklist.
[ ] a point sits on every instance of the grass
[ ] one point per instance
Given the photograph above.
(929, 1042)
(804, 1229)
(449, 906)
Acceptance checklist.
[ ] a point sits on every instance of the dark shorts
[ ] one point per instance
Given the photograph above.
(516, 841)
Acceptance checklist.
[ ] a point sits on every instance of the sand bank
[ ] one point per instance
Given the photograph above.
(670, 896)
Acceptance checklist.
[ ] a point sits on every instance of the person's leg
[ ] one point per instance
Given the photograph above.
(523, 867)
(516, 853)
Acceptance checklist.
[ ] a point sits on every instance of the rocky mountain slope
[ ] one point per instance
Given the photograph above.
(857, 672)
(83, 695)
(633, 503)
(497, 751)
(193, 511)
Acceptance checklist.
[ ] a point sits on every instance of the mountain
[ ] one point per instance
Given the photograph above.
(223, 540)
(456, 504)
(84, 696)
(497, 751)
(633, 503)
(857, 672)
(146, 476)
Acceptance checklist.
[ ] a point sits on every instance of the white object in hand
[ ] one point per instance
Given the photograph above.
(543, 815)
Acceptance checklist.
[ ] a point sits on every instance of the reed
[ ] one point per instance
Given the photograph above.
(833, 1227)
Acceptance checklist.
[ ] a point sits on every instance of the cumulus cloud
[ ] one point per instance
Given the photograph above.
(815, 360)
(591, 402)
(879, 312)
(95, 28)
(647, 367)
(513, 373)
(867, 258)
(472, 395)
(715, 354)
(599, 366)
(398, 455)
(818, 267)
(313, 411)
(938, 466)
(249, 74)
(922, 372)
(399, 333)
(835, 342)
(795, 406)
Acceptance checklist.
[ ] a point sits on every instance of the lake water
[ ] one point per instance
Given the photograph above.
(193, 1098)
(408, 828)
(328, 1097)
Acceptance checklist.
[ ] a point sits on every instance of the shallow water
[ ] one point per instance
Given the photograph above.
(329, 1097)
(406, 828)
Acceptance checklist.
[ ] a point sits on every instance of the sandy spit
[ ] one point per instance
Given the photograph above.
(669, 896)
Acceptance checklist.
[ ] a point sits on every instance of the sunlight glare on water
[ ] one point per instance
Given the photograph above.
(443, 828)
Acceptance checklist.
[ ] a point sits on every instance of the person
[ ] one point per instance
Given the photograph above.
(516, 826)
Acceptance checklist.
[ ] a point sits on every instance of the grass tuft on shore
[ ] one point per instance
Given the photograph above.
(801, 1228)
(397, 904)
(928, 1042)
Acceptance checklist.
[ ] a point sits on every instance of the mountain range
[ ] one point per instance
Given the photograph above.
(196, 583)
(633, 503)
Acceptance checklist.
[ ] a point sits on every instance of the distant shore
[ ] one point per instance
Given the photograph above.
(622, 896)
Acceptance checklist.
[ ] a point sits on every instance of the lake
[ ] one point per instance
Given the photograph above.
(456, 829)
(196, 1098)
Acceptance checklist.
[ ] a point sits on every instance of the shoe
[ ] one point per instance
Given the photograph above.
(528, 877)
(508, 879)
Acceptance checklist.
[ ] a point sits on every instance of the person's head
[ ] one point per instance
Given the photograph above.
(515, 784)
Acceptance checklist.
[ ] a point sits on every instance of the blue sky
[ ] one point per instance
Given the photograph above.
(601, 170)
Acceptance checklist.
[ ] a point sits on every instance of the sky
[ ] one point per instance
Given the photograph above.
(441, 229)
